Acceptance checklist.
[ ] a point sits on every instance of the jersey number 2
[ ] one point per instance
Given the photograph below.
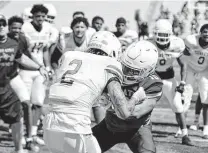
(78, 64)
(201, 60)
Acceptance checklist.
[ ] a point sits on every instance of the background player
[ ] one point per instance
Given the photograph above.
(37, 33)
(194, 62)
(169, 48)
(138, 64)
(81, 79)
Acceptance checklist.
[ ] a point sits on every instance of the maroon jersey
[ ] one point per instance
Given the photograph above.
(153, 88)
(8, 66)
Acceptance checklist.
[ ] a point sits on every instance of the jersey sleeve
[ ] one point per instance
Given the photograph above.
(114, 70)
(153, 87)
(189, 41)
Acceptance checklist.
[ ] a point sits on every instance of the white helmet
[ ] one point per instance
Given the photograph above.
(162, 31)
(139, 61)
(26, 14)
(105, 42)
(52, 13)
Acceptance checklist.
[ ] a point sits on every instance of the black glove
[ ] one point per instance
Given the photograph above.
(180, 88)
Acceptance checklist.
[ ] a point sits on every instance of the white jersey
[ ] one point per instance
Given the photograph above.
(130, 36)
(167, 57)
(81, 79)
(71, 45)
(198, 59)
(37, 41)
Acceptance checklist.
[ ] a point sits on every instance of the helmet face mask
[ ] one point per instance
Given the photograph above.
(27, 15)
(52, 13)
(162, 32)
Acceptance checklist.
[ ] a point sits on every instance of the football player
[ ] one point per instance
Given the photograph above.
(81, 79)
(27, 15)
(138, 64)
(169, 48)
(37, 33)
(194, 65)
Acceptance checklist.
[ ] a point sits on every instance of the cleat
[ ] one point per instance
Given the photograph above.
(187, 141)
(32, 147)
(38, 140)
(194, 127)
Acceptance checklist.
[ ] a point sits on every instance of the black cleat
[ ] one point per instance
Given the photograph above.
(32, 146)
(187, 141)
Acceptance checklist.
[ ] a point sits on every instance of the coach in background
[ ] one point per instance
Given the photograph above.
(10, 105)
(138, 64)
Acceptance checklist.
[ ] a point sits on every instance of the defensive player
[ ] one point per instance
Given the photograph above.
(10, 106)
(170, 47)
(194, 62)
(81, 79)
(138, 64)
(37, 33)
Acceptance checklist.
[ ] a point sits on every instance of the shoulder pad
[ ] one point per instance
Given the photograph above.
(116, 70)
(152, 86)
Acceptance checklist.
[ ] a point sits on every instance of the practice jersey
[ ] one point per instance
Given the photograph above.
(167, 56)
(153, 88)
(37, 41)
(70, 44)
(81, 79)
(198, 58)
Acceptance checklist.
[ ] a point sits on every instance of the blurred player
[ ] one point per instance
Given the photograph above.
(10, 106)
(170, 47)
(138, 64)
(37, 33)
(81, 79)
(194, 64)
(97, 23)
(27, 15)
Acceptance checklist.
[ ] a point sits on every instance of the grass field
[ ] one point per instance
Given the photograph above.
(164, 128)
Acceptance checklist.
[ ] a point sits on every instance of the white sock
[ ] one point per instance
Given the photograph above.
(184, 132)
(205, 130)
(34, 130)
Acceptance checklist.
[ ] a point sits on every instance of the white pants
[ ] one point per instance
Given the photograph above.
(36, 89)
(201, 81)
(61, 142)
(20, 88)
(174, 98)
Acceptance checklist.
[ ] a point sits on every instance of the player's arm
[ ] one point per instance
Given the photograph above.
(153, 94)
(183, 65)
(119, 100)
(46, 58)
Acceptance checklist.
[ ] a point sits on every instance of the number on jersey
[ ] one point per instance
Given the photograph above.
(37, 47)
(74, 67)
(201, 60)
